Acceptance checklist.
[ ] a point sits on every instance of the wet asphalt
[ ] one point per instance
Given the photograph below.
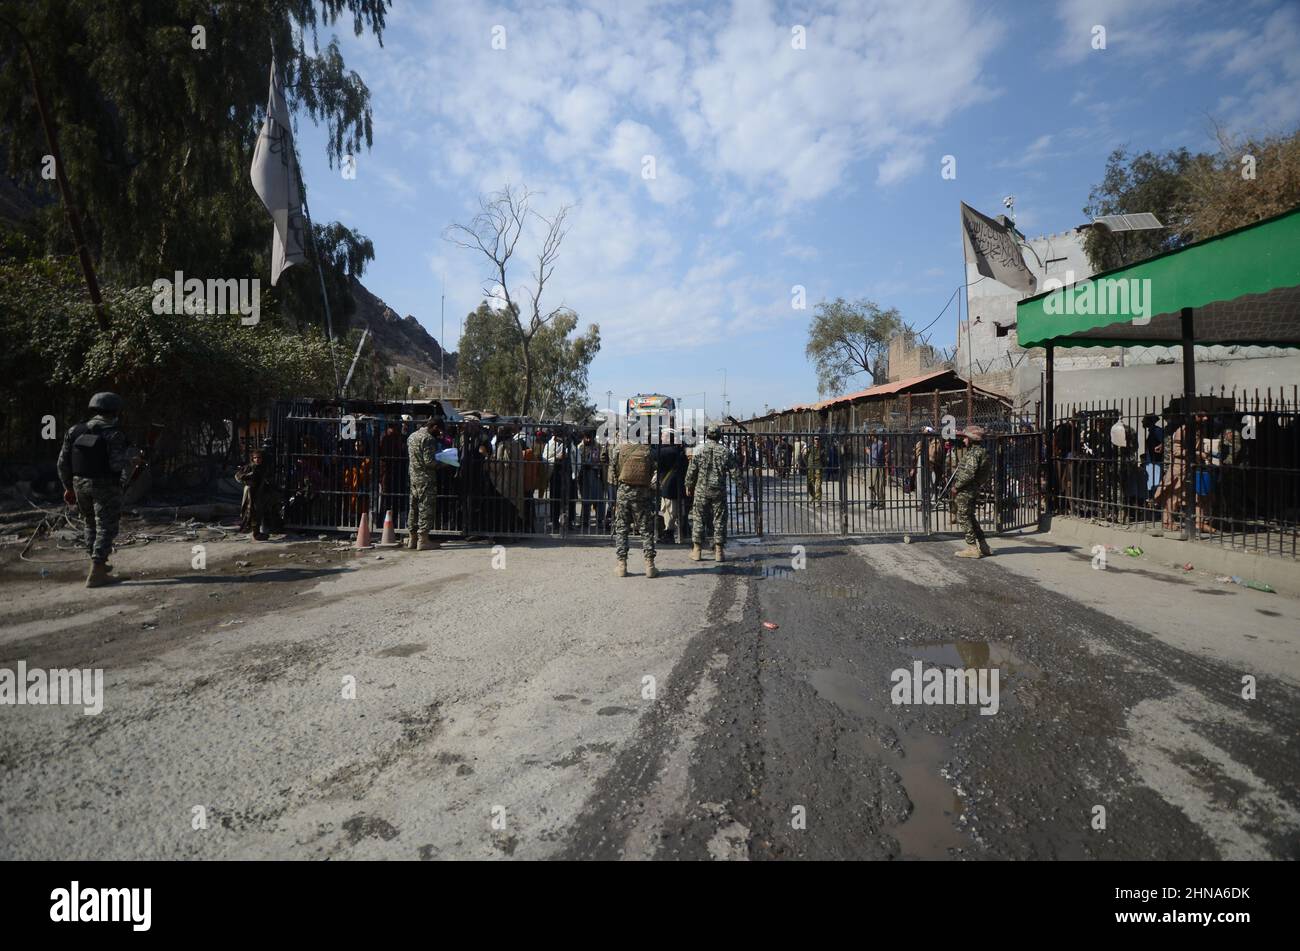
(801, 754)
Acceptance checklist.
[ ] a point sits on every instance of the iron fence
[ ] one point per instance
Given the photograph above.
(1220, 469)
(874, 483)
(520, 479)
(510, 478)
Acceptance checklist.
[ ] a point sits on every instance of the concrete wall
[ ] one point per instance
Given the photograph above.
(986, 341)
(1280, 373)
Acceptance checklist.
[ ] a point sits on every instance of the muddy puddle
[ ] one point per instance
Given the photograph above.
(930, 830)
(976, 654)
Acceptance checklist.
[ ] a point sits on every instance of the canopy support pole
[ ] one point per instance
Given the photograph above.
(1189, 423)
(1049, 398)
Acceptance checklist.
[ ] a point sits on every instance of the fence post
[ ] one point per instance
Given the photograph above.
(843, 478)
(999, 483)
(923, 490)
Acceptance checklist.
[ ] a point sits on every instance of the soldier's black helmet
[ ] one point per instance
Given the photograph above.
(713, 432)
(108, 403)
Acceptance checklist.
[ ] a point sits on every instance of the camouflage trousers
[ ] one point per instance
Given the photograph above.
(815, 484)
(706, 507)
(100, 504)
(424, 492)
(963, 509)
(634, 506)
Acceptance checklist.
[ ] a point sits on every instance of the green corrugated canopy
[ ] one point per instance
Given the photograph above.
(1243, 287)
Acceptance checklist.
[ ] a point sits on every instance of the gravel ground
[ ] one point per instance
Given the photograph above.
(487, 699)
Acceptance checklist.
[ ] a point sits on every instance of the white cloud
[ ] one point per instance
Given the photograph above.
(1131, 29)
(729, 111)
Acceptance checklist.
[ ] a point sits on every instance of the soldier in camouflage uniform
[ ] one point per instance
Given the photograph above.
(816, 460)
(421, 446)
(972, 474)
(707, 473)
(634, 504)
(93, 467)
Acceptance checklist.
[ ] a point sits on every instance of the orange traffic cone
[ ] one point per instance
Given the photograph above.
(363, 532)
(389, 539)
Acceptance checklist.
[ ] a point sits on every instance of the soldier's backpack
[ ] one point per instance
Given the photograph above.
(634, 464)
(90, 453)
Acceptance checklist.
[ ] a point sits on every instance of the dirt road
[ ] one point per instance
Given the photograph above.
(521, 701)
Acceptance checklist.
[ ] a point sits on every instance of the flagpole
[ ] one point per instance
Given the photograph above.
(311, 233)
(965, 293)
(320, 273)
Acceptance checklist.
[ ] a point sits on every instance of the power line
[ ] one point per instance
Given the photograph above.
(946, 306)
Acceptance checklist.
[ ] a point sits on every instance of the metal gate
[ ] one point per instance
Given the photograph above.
(1018, 480)
(872, 483)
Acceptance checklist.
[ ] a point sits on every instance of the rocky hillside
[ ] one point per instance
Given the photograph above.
(402, 344)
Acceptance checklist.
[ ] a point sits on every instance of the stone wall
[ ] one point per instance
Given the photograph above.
(908, 358)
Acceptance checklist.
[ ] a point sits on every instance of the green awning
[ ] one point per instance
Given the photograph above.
(1244, 288)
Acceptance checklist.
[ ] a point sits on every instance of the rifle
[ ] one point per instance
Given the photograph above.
(948, 483)
(144, 456)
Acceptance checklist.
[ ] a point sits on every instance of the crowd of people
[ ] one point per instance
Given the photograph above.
(512, 477)
(1108, 467)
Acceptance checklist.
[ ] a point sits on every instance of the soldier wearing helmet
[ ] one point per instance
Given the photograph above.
(94, 468)
(972, 474)
(706, 486)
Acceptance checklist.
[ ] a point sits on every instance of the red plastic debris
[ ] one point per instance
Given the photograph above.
(771, 626)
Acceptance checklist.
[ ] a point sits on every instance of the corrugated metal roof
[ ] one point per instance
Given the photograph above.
(884, 389)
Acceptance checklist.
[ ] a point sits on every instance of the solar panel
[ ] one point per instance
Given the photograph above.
(1143, 221)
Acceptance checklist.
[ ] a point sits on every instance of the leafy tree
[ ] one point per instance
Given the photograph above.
(489, 361)
(1136, 183)
(157, 136)
(846, 339)
(489, 367)
(562, 368)
(1248, 180)
(184, 373)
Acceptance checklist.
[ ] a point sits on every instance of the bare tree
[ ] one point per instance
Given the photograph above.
(495, 232)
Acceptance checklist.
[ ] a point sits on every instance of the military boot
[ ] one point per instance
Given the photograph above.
(985, 550)
(650, 570)
(718, 554)
(695, 553)
(970, 551)
(425, 544)
(621, 571)
(98, 576)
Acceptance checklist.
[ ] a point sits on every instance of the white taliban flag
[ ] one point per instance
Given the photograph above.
(995, 252)
(275, 179)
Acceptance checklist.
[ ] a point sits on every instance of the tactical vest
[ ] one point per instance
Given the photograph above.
(90, 452)
(634, 464)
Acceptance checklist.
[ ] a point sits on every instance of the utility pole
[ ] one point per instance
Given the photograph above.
(442, 343)
(726, 404)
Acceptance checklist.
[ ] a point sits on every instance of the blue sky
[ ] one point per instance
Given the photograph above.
(774, 166)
